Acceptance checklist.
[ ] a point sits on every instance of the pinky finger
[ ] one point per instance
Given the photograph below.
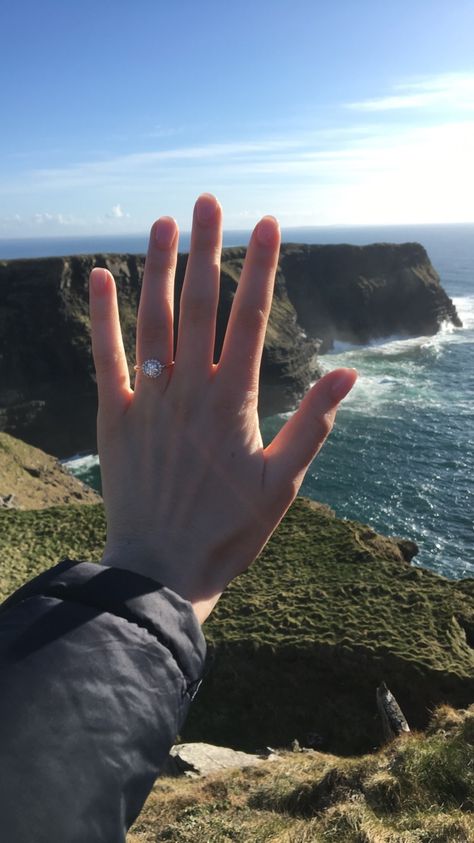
(113, 381)
(302, 437)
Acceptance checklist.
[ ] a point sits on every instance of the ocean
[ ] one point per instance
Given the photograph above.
(401, 456)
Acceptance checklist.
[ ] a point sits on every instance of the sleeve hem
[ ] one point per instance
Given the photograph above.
(134, 597)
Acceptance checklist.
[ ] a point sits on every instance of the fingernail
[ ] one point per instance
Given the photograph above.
(165, 232)
(343, 383)
(206, 207)
(99, 280)
(267, 231)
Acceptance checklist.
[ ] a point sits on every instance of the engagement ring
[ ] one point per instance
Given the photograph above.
(152, 368)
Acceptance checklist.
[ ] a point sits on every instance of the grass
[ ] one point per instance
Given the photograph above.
(418, 789)
(35, 480)
(299, 643)
(33, 540)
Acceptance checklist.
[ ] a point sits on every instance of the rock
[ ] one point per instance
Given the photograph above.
(31, 479)
(200, 759)
(48, 390)
(394, 722)
(322, 293)
(7, 502)
(358, 293)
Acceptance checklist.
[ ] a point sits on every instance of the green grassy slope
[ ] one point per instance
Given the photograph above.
(301, 640)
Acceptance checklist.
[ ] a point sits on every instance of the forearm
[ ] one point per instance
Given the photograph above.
(97, 669)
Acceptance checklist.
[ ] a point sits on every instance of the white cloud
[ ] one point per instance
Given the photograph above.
(94, 172)
(46, 218)
(13, 218)
(117, 213)
(453, 90)
(384, 168)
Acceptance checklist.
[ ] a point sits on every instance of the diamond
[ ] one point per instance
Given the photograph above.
(152, 368)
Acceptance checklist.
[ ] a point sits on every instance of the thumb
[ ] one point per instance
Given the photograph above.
(304, 434)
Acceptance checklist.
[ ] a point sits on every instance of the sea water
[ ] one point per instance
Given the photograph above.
(401, 456)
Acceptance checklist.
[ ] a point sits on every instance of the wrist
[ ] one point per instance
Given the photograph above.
(140, 560)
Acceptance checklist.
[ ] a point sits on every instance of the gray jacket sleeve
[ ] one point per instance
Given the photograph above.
(97, 669)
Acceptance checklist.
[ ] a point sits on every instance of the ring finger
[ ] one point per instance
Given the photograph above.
(155, 312)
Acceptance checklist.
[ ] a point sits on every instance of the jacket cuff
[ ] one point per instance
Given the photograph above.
(134, 597)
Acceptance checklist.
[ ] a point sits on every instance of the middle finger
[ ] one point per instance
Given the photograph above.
(200, 293)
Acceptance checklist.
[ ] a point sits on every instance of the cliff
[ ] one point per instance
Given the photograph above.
(323, 293)
(359, 293)
(300, 642)
(31, 479)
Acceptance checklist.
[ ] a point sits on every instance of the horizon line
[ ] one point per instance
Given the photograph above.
(187, 232)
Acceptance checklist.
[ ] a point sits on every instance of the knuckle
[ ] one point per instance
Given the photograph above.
(206, 247)
(284, 493)
(164, 262)
(230, 411)
(264, 260)
(323, 425)
(292, 489)
(252, 318)
(160, 263)
(224, 406)
(182, 406)
(198, 308)
(150, 335)
(106, 364)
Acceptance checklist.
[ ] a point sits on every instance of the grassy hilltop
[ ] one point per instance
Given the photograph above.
(298, 645)
(299, 642)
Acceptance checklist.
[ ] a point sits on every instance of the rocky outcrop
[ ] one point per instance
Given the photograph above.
(47, 381)
(31, 479)
(201, 759)
(322, 293)
(359, 293)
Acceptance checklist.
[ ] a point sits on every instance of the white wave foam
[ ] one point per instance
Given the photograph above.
(340, 347)
(81, 463)
(400, 344)
(465, 308)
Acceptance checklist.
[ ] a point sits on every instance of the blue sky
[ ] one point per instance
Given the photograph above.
(114, 113)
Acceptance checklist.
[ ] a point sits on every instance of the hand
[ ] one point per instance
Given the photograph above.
(191, 495)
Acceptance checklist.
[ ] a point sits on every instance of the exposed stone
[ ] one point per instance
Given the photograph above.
(322, 294)
(31, 479)
(358, 293)
(200, 759)
(394, 722)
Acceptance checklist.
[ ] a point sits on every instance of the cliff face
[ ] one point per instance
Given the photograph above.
(47, 382)
(359, 293)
